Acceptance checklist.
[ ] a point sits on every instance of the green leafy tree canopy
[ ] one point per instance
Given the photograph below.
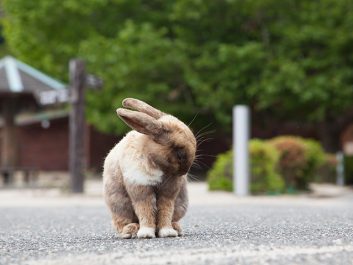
(291, 60)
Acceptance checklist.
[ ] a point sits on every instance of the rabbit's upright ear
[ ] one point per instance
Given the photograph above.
(141, 106)
(140, 122)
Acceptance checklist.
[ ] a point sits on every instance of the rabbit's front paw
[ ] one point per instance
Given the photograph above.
(146, 232)
(167, 232)
(177, 228)
(130, 230)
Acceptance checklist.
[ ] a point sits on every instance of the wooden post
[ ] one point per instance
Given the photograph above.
(77, 125)
(9, 146)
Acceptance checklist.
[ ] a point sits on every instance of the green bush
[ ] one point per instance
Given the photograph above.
(220, 175)
(264, 177)
(292, 159)
(315, 157)
(300, 160)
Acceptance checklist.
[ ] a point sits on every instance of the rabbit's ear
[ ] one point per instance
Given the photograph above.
(141, 106)
(140, 122)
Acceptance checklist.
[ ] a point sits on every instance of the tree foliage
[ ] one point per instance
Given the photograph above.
(290, 59)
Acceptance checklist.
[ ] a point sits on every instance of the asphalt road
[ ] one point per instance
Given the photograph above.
(243, 233)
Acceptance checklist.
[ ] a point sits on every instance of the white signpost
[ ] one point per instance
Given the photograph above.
(340, 169)
(241, 132)
(53, 97)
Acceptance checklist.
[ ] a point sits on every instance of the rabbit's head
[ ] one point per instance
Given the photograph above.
(170, 145)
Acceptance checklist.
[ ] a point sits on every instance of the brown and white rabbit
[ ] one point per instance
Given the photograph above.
(145, 174)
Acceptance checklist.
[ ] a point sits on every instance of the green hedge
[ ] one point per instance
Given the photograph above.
(282, 163)
(315, 159)
(300, 160)
(220, 175)
(264, 177)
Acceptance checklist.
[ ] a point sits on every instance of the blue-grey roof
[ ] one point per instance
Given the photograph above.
(18, 77)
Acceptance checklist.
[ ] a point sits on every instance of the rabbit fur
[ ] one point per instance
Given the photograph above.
(145, 174)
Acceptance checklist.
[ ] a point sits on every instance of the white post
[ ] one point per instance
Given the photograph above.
(340, 169)
(241, 132)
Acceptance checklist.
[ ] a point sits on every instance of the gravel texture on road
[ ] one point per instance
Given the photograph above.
(245, 233)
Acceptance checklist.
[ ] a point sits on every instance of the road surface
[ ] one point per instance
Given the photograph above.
(217, 231)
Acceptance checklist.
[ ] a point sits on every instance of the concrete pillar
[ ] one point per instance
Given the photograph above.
(241, 135)
(340, 169)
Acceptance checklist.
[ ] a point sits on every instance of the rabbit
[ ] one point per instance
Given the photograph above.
(145, 174)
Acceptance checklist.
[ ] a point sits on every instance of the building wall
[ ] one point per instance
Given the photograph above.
(98, 146)
(44, 149)
(48, 149)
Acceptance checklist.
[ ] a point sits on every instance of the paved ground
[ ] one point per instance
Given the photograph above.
(219, 229)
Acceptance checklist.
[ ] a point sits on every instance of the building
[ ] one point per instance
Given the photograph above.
(43, 142)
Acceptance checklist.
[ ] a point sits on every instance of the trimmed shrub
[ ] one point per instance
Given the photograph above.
(292, 159)
(299, 160)
(220, 175)
(315, 157)
(264, 177)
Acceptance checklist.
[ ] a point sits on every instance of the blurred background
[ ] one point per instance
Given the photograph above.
(290, 61)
